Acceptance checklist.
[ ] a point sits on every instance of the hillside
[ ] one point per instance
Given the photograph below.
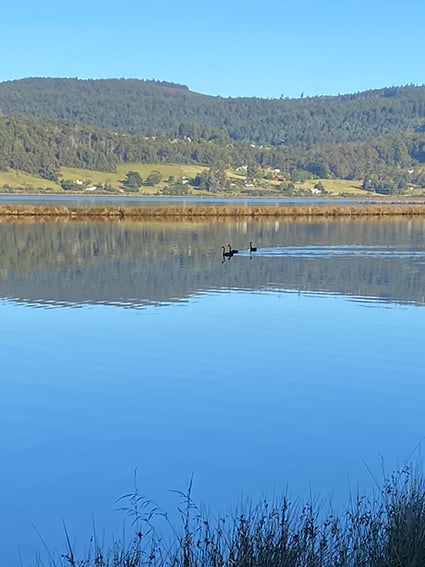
(149, 107)
(375, 137)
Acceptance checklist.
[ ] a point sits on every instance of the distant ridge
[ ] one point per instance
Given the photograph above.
(153, 107)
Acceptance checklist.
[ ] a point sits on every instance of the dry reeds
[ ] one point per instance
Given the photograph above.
(371, 210)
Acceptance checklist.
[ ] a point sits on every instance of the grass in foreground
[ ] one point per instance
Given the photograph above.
(385, 531)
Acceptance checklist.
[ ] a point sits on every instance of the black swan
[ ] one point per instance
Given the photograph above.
(252, 248)
(227, 254)
(232, 250)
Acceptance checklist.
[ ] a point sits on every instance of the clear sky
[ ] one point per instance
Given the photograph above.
(264, 48)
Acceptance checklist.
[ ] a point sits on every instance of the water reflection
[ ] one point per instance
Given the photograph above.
(145, 263)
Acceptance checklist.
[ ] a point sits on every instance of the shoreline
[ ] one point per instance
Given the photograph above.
(368, 209)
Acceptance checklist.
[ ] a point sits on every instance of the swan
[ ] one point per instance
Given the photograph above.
(226, 254)
(251, 247)
(232, 250)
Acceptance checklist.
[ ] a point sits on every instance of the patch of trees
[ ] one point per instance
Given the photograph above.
(133, 180)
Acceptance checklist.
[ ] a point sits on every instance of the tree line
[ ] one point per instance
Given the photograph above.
(43, 146)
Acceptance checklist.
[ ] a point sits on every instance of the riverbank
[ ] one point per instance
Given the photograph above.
(366, 209)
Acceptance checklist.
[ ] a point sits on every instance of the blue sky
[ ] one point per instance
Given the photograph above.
(231, 48)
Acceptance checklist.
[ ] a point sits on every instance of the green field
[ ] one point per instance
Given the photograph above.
(336, 186)
(21, 180)
(144, 169)
(18, 181)
(24, 182)
(333, 186)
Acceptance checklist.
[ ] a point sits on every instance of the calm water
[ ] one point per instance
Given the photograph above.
(87, 200)
(135, 346)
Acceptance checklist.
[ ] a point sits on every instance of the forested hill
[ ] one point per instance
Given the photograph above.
(150, 107)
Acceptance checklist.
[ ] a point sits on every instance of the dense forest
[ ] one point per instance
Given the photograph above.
(150, 107)
(378, 135)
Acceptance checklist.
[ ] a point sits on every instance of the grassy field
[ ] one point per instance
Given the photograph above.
(18, 181)
(24, 182)
(143, 169)
(21, 180)
(336, 186)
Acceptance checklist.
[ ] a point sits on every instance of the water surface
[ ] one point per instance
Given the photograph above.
(136, 345)
(155, 201)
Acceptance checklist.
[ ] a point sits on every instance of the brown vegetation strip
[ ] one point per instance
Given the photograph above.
(111, 212)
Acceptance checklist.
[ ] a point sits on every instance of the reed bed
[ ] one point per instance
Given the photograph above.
(383, 531)
(200, 211)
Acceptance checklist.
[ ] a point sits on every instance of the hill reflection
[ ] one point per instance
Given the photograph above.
(143, 263)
